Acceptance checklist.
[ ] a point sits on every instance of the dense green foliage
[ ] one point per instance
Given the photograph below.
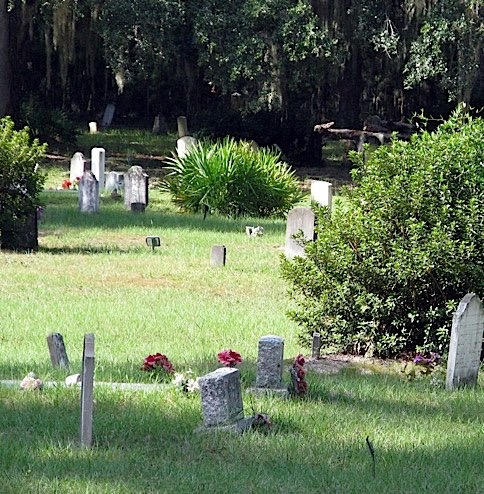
(232, 178)
(20, 182)
(390, 266)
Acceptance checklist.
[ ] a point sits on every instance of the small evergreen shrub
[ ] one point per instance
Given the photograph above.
(233, 179)
(20, 182)
(391, 264)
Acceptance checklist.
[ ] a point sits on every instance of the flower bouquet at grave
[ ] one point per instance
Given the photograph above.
(299, 385)
(68, 185)
(186, 382)
(229, 358)
(158, 365)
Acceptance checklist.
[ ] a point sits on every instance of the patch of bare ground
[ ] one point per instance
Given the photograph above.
(332, 364)
(336, 173)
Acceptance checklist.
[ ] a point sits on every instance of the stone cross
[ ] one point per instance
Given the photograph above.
(465, 343)
(87, 391)
(221, 397)
(299, 219)
(88, 193)
(218, 255)
(136, 189)
(322, 193)
(98, 161)
(57, 350)
(77, 166)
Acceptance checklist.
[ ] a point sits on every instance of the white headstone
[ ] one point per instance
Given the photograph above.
(465, 343)
(98, 161)
(92, 127)
(77, 166)
(298, 219)
(114, 181)
(322, 193)
(184, 144)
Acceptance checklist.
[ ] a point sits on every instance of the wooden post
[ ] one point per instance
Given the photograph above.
(57, 350)
(316, 349)
(87, 388)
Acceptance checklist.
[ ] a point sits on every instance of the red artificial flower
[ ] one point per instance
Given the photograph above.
(300, 360)
(66, 184)
(157, 361)
(229, 358)
(301, 373)
(302, 387)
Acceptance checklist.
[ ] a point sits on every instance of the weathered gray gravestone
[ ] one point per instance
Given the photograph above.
(270, 360)
(221, 396)
(299, 219)
(87, 391)
(316, 347)
(136, 189)
(108, 115)
(218, 255)
(322, 193)
(57, 350)
(465, 343)
(98, 161)
(88, 193)
(182, 126)
(77, 166)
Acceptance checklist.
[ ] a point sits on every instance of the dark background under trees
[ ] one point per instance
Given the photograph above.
(261, 69)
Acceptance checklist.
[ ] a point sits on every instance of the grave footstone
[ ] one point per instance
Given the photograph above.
(218, 255)
(87, 391)
(98, 161)
(57, 351)
(135, 189)
(221, 396)
(88, 193)
(184, 145)
(78, 164)
(465, 343)
(299, 219)
(322, 193)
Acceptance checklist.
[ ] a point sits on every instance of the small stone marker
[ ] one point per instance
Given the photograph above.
(270, 360)
(298, 219)
(114, 182)
(184, 144)
(57, 350)
(181, 123)
(93, 127)
(88, 193)
(218, 255)
(87, 387)
(222, 405)
(153, 241)
(108, 115)
(136, 189)
(322, 193)
(465, 343)
(316, 347)
(98, 161)
(77, 166)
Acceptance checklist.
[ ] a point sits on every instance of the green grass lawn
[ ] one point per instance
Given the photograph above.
(94, 273)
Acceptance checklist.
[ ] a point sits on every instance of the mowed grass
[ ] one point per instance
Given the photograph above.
(94, 273)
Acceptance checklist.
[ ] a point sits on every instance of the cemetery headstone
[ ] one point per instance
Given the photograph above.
(316, 347)
(87, 391)
(322, 193)
(78, 164)
(465, 343)
(135, 189)
(98, 161)
(182, 126)
(159, 125)
(299, 219)
(184, 145)
(218, 255)
(270, 361)
(221, 396)
(108, 115)
(114, 182)
(57, 350)
(93, 127)
(88, 193)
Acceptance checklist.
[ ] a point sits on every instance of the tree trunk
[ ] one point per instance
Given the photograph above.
(4, 60)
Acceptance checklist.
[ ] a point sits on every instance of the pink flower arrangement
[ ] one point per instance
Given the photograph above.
(157, 362)
(298, 376)
(229, 358)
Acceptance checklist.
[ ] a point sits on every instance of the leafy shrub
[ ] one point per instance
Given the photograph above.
(390, 265)
(233, 179)
(20, 182)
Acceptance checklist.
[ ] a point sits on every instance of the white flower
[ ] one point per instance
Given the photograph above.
(178, 379)
(192, 385)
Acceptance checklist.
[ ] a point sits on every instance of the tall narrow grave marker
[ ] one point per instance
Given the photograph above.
(88, 193)
(322, 193)
(87, 388)
(77, 166)
(57, 350)
(136, 189)
(218, 255)
(98, 162)
(299, 219)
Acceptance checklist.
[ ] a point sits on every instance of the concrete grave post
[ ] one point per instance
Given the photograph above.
(88, 193)
(78, 164)
(299, 219)
(218, 255)
(87, 391)
(316, 346)
(465, 343)
(136, 189)
(57, 350)
(98, 162)
(322, 193)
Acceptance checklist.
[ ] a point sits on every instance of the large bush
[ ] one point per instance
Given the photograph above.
(391, 263)
(232, 178)
(20, 181)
